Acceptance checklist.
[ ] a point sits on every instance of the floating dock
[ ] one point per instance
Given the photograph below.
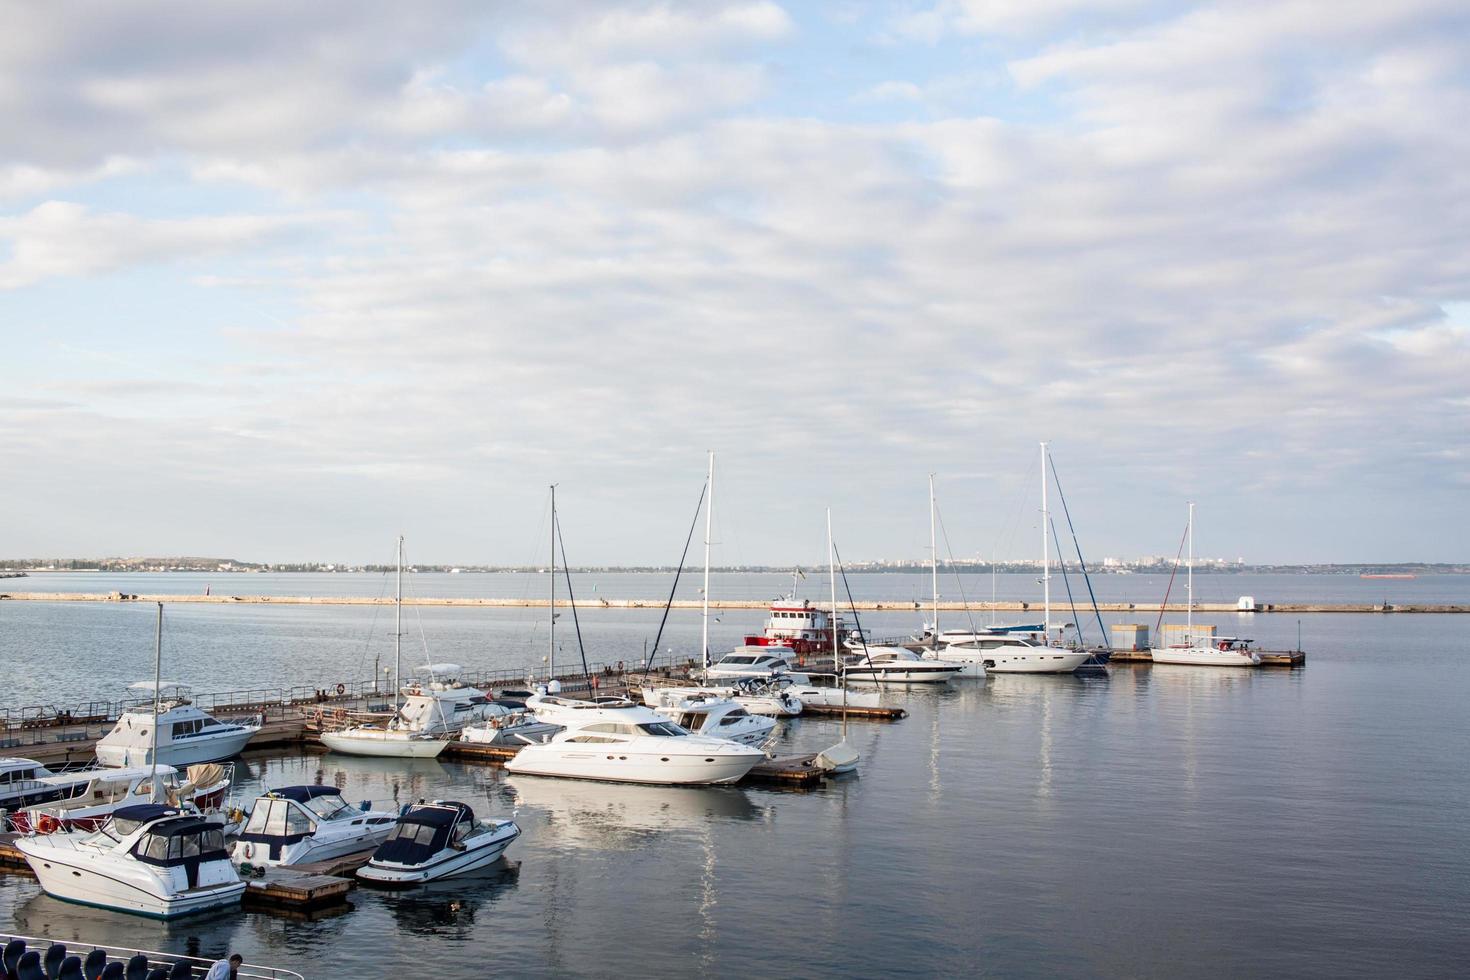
(1269, 658)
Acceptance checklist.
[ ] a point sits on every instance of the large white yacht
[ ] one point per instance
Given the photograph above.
(1010, 653)
(627, 742)
(149, 859)
(185, 735)
(895, 665)
(751, 661)
(437, 840)
(300, 824)
(88, 804)
(717, 717)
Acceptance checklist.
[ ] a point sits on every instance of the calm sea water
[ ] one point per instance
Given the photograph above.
(1159, 822)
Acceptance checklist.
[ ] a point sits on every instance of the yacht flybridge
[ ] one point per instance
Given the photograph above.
(182, 734)
(717, 717)
(1203, 651)
(299, 824)
(751, 661)
(149, 859)
(621, 741)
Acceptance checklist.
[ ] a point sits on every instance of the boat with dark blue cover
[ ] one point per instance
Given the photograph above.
(437, 840)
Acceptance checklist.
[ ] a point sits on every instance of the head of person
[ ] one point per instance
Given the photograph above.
(236, 960)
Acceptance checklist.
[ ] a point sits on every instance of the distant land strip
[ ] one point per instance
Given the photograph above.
(864, 605)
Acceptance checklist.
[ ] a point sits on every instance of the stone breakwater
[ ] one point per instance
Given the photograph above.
(862, 605)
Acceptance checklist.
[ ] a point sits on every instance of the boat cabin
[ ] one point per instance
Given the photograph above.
(424, 830)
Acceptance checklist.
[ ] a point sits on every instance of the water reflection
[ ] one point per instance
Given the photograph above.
(447, 909)
(208, 935)
(588, 814)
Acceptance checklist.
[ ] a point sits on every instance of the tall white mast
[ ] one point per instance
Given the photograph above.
(398, 626)
(551, 632)
(933, 562)
(1045, 551)
(1189, 580)
(837, 664)
(154, 793)
(709, 515)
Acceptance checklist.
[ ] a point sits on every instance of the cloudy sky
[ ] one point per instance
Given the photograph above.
(280, 280)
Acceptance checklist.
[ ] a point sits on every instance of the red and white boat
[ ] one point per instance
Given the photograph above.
(797, 624)
(93, 800)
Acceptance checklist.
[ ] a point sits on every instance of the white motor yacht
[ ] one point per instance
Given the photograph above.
(149, 859)
(747, 662)
(825, 690)
(441, 705)
(759, 697)
(90, 803)
(437, 840)
(186, 735)
(509, 724)
(717, 717)
(627, 742)
(1218, 651)
(300, 824)
(1012, 653)
(895, 665)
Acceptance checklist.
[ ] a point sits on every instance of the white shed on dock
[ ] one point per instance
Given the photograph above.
(1130, 636)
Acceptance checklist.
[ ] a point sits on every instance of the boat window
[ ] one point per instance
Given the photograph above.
(156, 848)
(663, 729)
(212, 841)
(418, 833)
(188, 845)
(209, 723)
(297, 822)
(258, 815)
(592, 738)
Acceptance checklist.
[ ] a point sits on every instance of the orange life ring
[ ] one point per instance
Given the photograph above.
(341, 688)
(1224, 645)
(340, 714)
(249, 851)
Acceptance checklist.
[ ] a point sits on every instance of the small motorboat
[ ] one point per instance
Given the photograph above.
(437, 840)
(149, 859)
(757, 696)
(718, 717)
(300, 824)
(89, 804)
(186, 735)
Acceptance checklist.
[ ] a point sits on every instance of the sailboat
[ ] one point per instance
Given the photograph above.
(1010, 652)
(397, 739)
(1203, 651)
(946, 647)
(842, 757)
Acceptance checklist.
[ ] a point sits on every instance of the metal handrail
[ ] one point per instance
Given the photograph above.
(156, 958)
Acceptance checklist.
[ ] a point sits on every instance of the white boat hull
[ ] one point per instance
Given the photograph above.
(1043, 660)
(1205, 657)
(391, 745)
(972, 665)
(181, 754)
(902, 675)
(606, 762)
(465, 861)
(139, 890)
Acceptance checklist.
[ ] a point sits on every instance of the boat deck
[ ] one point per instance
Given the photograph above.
(1269, 658)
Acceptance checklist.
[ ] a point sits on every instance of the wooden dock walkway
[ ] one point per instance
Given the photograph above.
(1269, 658)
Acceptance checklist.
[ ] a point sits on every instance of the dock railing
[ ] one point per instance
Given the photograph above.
(155, 958)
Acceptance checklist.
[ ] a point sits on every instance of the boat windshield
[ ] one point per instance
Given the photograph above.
(662, 729)
(329, 806)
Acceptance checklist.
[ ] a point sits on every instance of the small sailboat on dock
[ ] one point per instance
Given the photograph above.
(394, 738)
(1206, 651)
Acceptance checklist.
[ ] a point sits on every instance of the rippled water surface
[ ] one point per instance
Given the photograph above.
(1161, 821)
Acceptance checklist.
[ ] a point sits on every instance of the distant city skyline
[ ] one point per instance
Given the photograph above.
(292, 280)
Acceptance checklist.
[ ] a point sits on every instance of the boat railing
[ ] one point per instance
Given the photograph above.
(156, 958)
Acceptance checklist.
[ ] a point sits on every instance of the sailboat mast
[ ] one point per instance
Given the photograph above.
(551, 632)
(398, 627)
(1045, 552)
(709, 515)
(933, 562)
(1189, 580)
(153, 791)
(837, 665)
